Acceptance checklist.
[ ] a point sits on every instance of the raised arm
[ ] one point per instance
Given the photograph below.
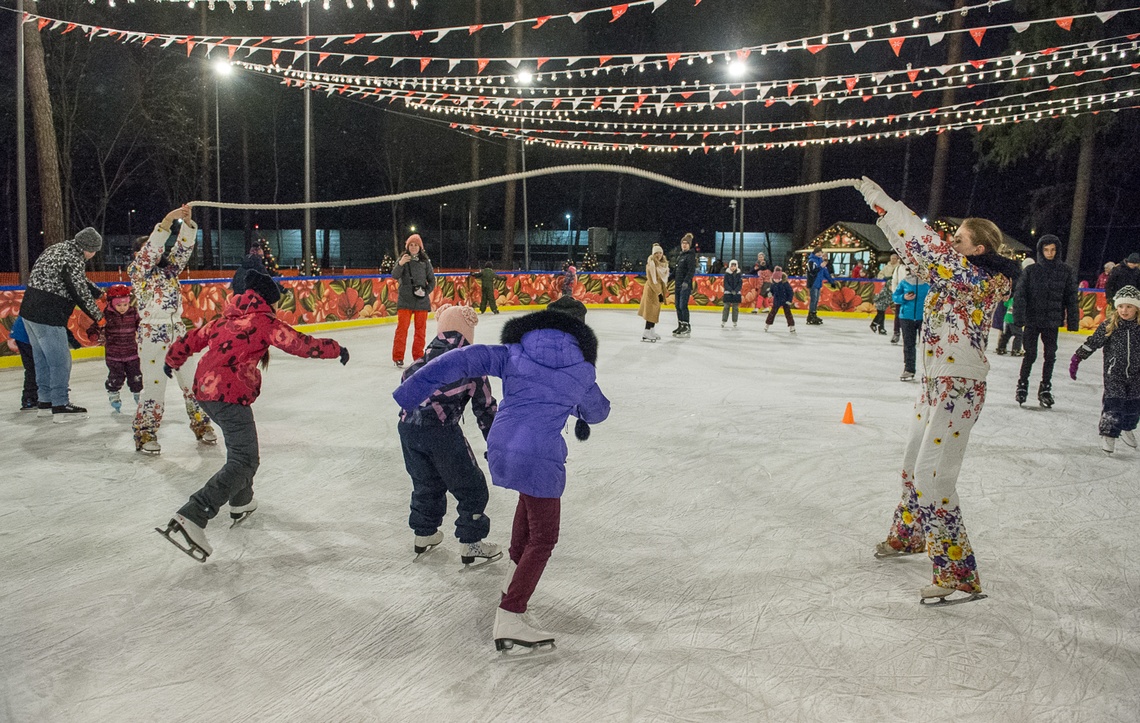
(477, 360)
(183, 348)
(291, 341)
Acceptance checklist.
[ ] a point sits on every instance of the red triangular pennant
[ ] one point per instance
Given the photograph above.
(640, 99)
(979, 64)
(603, 59)
(916, 93)
(541, 62)
(69, 28)
(321, 57)
(912, 74)
(482, 63)
(303, 40)
(355, 39)
(416, 33)
(813, 49)
(275, 53)
(597, 102)
(896, 44)
(792, 87)
(673, 58)
(977, 34)
(424, 63)
(619, 10)
(42, 23)
(851, 83)
(1065, 23)
(540, 22)
(472, 29)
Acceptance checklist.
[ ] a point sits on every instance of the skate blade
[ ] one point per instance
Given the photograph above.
(469, 563)
(893, 555)
(511, 648)
(208, 443)
(239, 518)
(421, 551)
(189, 548)
(942, 601)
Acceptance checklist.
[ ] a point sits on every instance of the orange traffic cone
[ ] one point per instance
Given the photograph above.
(849, 415)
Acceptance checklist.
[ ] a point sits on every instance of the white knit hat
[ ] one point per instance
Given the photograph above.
(1127, 295)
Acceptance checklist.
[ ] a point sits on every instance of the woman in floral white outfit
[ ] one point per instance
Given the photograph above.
(967, 279)
(154, 277)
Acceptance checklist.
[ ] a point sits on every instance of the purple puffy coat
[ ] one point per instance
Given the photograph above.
(546, 363)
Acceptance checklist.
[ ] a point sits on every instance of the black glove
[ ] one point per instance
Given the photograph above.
(661, 298)
(168, 371)
(72, 342)
(581, 430)
(343, 355)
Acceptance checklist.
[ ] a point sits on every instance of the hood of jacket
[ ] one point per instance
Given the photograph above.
(552, 339)
(1044, 241)
(246, 304)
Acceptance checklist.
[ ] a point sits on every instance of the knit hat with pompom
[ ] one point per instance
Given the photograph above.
(457, 318)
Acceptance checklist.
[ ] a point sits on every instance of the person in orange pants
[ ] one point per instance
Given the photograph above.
(414, 274)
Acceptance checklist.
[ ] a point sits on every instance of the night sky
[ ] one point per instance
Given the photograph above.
(365, 148)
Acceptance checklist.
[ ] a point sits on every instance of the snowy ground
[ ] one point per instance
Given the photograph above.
(715, 561)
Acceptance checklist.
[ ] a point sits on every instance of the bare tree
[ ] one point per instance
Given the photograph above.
(47, 152)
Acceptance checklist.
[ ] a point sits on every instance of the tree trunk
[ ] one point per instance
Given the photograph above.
(473, 194)
(47, 153)
(1081, 195)
(942, 141)
(507, 248)
(246, 216)
(807, 206)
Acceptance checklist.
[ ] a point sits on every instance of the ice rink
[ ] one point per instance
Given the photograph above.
(715, 561)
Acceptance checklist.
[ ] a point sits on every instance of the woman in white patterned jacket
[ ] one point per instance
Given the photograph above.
(154, 276)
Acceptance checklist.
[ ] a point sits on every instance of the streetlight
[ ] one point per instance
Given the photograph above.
(129, 214)
(441, 207)
(738, 69)
(222, 69)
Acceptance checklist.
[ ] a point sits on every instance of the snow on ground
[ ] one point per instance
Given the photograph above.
(714, 565)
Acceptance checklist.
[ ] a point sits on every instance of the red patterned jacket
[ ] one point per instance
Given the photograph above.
(228, 372)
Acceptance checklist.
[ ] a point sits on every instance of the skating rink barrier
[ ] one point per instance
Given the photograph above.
(326, 302)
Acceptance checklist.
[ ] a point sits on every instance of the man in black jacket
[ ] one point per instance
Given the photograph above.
(1045, 298)
(1126, 274)
(683, 280)
(57, 285)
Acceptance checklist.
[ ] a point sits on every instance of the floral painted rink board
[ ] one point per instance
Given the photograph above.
(316, 300)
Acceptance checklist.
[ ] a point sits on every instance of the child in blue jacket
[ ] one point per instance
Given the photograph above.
(910, 295)
(546, 362)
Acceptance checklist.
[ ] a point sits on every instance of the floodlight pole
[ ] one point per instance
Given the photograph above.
(307, 241)
(21, 162)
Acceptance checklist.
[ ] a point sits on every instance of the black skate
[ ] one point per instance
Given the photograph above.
(1045, 395)
(1022, 392)
(895, 338)
(1001, 351)
(875, 327)
(240, 513)
(199, 548)
(685, 331)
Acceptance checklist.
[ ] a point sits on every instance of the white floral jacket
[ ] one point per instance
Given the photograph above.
(157, 291)
(960, 305)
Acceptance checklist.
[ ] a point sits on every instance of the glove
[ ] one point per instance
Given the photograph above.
(875, 196)
(343, 355)
(581, 430)
(835, 287)
(661, 298)
(168, 371)
(1073, 364)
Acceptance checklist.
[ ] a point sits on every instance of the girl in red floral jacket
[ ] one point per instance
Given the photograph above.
(226, 385)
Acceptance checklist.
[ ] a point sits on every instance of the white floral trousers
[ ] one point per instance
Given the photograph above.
(154, 341)
(928, 517)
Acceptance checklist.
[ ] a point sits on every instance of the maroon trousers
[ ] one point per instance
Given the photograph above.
(787, 314)
(533, 536)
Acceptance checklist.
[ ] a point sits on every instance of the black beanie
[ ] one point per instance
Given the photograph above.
(569, 305)
(264, 285)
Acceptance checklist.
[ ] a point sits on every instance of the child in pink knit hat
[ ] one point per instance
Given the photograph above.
(437, 455)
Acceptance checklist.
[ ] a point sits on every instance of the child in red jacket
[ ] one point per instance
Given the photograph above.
(117, 334)
(226, 385)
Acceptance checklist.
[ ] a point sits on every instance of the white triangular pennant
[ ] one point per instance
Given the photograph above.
(297, 55)
(442, 34)
(944, 69)
(935, 38)
(575, 102)
(1021, 27)
(857, 44)
(763, 91)
(395, 61)
(381, 38)
(576, 17)
(819, 86)
(713, 94)
(618, 101)
(1051, 78)
(571, 61)
(876, 78)
(513, 62)
(637, 59)
(451, 64)
(657, 4)
(1016, 58)
(328, 40)
(1106, 16)
(660, 107)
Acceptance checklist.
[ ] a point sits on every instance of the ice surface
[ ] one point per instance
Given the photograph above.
(714, 565)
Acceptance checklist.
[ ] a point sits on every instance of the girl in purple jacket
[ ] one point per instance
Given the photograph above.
(546, 363)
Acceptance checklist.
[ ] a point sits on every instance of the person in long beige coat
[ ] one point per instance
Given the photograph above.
(656, 289)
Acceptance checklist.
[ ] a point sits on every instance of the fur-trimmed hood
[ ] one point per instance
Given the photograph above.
(515, 329)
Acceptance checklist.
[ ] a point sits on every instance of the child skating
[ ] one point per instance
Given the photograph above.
(1119, 337)
(733, 288)
(227, 384)
(782, 298)
(437, 455)
(121, 351)
(546, 363)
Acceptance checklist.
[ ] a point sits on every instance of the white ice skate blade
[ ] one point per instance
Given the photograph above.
(519, 650)
(189, 548)
(240, 518)
(481, 562)
(896, 554)
(948, 600)
(425, 552)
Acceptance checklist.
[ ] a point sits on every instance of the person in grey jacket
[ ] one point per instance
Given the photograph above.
(56, 286)
(414, 274)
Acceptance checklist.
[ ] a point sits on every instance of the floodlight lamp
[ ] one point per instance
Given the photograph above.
(223, 67)
(525, 77)
(737, 68)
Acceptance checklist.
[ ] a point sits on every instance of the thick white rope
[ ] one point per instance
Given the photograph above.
(509, 177)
